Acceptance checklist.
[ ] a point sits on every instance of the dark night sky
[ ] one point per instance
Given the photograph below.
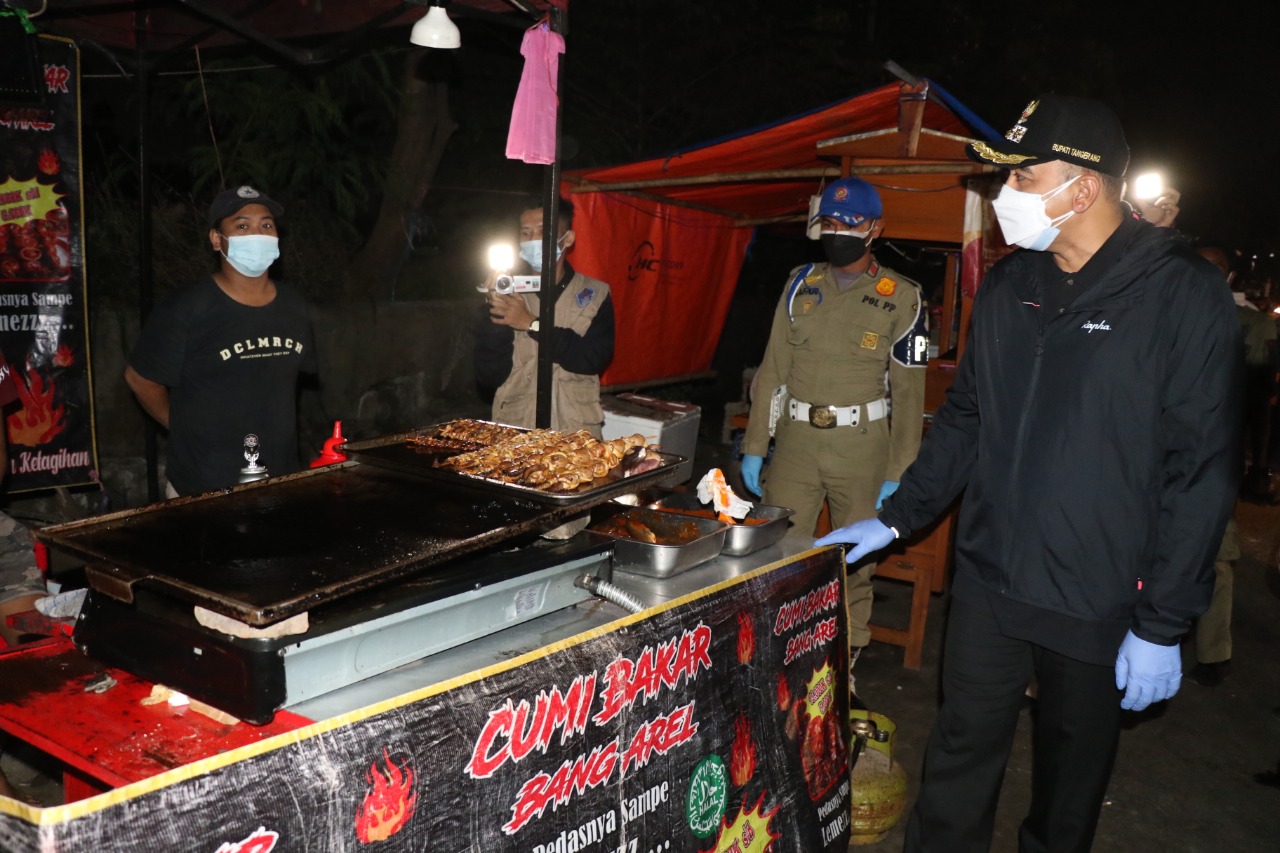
(1195, 86)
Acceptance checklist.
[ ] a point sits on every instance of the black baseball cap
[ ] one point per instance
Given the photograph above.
(1060, 127)
(228, 202)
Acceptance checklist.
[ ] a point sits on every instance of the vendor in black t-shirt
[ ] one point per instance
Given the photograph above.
(218, 362)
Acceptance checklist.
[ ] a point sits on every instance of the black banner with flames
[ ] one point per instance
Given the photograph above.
(43, 315)
(717, 723)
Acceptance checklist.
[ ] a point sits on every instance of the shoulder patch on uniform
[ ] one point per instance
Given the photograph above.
(911, 349)
(585, 296)
(886, 286)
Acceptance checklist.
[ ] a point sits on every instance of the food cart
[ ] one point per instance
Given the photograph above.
(511, 710)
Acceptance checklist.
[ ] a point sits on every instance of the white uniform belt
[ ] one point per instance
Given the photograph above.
(828, 417)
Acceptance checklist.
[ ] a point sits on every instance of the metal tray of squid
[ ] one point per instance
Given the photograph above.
(398, 453)
(655, 543)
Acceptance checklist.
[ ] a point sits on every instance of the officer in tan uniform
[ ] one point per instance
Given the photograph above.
(846, 335)
(508, 337)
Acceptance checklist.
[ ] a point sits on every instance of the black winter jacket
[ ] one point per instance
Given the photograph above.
(1099, 450)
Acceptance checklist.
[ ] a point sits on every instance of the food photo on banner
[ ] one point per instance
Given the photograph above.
(43, 312)
(714, 723)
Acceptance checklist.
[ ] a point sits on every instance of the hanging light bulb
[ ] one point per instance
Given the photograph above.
(436, 30)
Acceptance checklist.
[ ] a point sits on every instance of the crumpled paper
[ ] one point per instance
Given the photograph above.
(64, 605)
(714, 490)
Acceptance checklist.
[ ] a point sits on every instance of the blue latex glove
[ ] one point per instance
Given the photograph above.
(867, 535)
(751, 466)
(1146, 672)
(888, 488)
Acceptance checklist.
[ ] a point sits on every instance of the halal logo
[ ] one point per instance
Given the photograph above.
(708, 796)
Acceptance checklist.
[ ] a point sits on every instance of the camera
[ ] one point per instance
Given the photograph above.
(507, 284)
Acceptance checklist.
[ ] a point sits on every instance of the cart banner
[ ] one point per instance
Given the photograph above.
(718, 723)
(671, 272)
(43, 314)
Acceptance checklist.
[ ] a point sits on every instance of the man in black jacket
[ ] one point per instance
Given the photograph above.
(1092, 427)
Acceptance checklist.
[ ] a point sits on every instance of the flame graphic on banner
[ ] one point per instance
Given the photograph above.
(746, 637)
(64, 357)
(750, 831)
(742, 755)
(49, 162)
(389, 802)
(784, 692)
(39, 420)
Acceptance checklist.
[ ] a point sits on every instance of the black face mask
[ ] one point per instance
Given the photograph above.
(843, 249)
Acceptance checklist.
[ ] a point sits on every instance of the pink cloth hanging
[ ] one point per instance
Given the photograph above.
(532, 137)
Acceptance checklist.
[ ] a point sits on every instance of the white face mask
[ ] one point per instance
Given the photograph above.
(1023, 219)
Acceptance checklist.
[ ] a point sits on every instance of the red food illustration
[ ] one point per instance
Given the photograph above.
(784, 692)
(822, 754)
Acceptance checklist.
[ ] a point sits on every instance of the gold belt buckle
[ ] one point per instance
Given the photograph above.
(822, 417)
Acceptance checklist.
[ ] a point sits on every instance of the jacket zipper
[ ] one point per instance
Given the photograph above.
(1018, 448)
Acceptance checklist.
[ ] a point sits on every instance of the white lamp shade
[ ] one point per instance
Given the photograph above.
(436, 30)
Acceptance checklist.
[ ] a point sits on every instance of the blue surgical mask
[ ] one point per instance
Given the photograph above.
(531, 252)
(252, 254)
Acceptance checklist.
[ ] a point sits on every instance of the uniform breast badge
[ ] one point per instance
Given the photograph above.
(886, 287)
(870, 340)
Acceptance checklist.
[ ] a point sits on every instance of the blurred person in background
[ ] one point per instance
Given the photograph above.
(1259, 330)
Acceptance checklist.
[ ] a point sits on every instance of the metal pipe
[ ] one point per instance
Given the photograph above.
(550, 287)
(146, 282)
(609, 592)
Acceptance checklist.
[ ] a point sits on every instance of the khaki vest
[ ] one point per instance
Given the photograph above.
(575, 399)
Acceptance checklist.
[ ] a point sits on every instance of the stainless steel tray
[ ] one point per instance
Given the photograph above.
(740, 539)
(663, 561)
(394, 451)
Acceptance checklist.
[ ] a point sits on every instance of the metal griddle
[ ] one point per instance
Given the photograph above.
(265, 551)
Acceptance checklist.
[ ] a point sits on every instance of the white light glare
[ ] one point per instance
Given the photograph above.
(502, 257)
(1148, 186)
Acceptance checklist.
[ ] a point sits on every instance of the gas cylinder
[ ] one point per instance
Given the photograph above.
(878, 783)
